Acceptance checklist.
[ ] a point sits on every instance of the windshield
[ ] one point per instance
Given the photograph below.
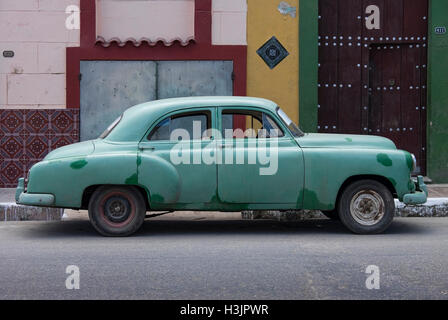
(110, 128)
(296, 132)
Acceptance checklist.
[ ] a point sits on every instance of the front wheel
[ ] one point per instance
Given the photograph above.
(366, 207)
(116, 210)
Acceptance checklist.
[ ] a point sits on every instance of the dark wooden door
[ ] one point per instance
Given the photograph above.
(372, 70)
(397, 96)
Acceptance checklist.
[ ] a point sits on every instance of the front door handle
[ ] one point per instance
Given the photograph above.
(143, 146)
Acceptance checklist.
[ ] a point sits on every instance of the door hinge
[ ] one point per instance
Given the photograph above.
(80, 76)
(233, 76)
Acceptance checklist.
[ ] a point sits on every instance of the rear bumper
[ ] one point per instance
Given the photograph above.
(32, 199)
(419, 196)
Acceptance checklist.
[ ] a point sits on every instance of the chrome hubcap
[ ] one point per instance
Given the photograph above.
(367, 207)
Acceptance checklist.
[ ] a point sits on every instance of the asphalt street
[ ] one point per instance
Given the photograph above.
(224, 259)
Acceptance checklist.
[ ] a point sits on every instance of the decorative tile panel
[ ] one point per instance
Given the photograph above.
(27, 136)
(272, 52)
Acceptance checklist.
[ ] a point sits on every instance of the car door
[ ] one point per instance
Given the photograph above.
(276, 175)
(170, 157)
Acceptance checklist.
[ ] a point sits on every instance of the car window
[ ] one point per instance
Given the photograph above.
(180, 127)
(240, 124)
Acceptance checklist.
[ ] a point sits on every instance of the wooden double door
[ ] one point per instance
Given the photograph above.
(372, 70)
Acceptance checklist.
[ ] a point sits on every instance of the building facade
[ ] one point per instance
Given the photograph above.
(69, 67)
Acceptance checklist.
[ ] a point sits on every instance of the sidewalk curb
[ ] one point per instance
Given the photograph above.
(10, 211)
(435, 207)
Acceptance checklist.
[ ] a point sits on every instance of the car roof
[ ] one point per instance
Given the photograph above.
(204, 101)
(137, 119)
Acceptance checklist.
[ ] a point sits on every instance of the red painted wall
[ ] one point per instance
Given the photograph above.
(199, 49)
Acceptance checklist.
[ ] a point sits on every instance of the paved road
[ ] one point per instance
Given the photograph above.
(224, 260)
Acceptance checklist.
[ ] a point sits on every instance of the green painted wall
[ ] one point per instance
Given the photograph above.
(308, 60)
(438, 94)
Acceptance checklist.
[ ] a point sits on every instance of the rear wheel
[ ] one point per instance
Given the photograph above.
(116, 210)
(366, 207)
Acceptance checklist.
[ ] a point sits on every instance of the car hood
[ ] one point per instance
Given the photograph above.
(79, 149)
(316, 140)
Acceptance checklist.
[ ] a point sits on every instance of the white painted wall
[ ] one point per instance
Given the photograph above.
(35, 30)
(170, 19)
(229, 22)
(152, 19)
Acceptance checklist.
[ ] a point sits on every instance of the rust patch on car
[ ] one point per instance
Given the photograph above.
(384, 159)
(139, 160)
(409, 161)
(312, 201)
(157, 198)
(132, 180)
(79, 164)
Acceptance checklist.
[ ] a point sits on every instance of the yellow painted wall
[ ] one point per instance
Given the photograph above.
(280, 84)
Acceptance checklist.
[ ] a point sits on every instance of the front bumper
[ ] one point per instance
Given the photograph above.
(419, 196)
(32, 199)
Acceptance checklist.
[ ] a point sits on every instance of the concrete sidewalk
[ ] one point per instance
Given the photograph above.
(438, 190)
(7, 195)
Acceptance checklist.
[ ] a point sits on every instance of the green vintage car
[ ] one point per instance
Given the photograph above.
(222, 154)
